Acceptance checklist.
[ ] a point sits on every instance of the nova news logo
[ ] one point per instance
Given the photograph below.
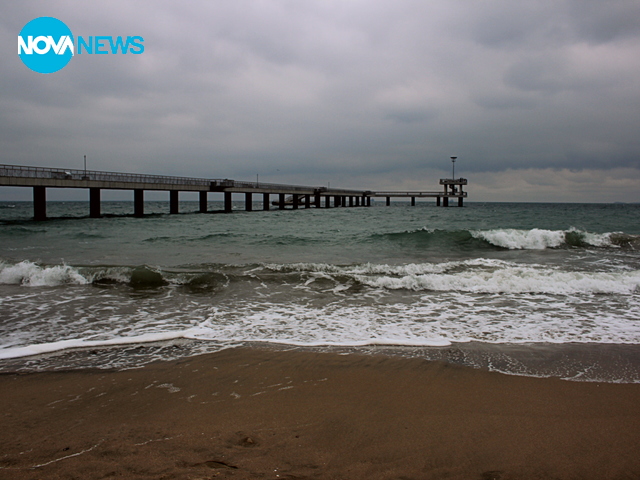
(46, 45)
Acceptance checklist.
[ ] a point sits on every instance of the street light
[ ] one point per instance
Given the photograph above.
(453, 167)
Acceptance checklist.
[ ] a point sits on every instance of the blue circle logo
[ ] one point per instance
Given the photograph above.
(45, 45)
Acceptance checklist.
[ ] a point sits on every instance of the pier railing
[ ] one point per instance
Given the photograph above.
(418, 194)
(17, 171)
(45, 173)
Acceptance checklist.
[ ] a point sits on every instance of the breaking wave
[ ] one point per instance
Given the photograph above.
(476, 276)
(513, 239)
(471, 276)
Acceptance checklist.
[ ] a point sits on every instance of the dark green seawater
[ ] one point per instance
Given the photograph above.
(531, 276)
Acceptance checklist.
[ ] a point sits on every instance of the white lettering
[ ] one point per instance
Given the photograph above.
(63, 44)
(34, 45)
(24, 47)
(37, 40)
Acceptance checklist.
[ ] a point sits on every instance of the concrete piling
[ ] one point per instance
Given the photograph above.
(228, 205)
(138, 202)
(203, 202)
(94, 202)
(39, 203)
(174, 205)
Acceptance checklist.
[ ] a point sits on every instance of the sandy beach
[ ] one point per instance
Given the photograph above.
(250, 413)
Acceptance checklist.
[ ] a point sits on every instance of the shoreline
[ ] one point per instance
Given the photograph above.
(608, 363)
(275, 413)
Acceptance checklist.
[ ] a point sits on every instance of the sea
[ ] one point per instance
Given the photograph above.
(534, 289)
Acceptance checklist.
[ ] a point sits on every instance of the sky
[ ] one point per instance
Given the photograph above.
(538, 99)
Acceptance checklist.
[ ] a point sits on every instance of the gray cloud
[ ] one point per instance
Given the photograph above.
(363, 91)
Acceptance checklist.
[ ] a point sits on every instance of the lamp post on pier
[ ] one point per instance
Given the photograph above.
(453, 168)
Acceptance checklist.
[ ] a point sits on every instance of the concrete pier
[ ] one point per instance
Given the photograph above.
(39, 179)
(453, 188)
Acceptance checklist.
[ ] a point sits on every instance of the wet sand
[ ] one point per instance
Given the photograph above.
(252, 413)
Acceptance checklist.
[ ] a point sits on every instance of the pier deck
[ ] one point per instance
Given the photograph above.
(40, 178)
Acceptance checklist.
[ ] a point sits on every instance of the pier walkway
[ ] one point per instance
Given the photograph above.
(40, 178)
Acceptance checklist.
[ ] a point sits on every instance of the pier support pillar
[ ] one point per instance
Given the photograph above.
(39, 203)
(318, 200)
(437, 201)
(281, 201)
(327, 202)
(388, 201)
(460, 202)
(413, 201)
(445, 201)
(265, 201)
(138, 202)
(357, 201)
(248, 202)
(228, 207)
(336, 201)
(307, 201)
(368, 201)
(174, 205)
(296, 198)
(351, 201)
(94, 202)
(203, 202)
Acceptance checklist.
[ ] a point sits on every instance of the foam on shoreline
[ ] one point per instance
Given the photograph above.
(608, 363)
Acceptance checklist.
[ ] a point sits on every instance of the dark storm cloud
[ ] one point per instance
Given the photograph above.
(372, 94)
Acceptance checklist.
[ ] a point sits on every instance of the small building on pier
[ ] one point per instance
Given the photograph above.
(452, 190)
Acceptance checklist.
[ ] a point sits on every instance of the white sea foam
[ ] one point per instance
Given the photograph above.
(428, 320)
(477, 276)
(42, 348)
(514, 280)
(421, 304)
(385, 269)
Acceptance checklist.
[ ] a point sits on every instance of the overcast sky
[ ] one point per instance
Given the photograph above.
(539, 99)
